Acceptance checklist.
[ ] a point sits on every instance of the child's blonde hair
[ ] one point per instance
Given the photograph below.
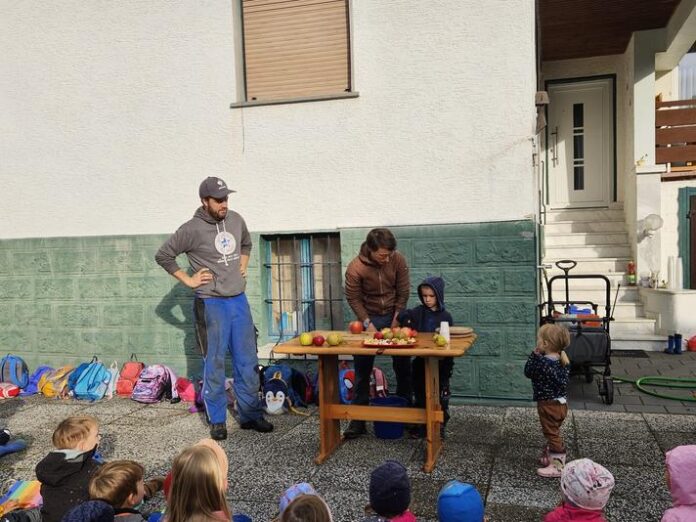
(73, 430)
(557, 339)
(115, 481)
(306, 508)
(197, 487)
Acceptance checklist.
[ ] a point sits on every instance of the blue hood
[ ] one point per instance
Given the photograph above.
(438, 286)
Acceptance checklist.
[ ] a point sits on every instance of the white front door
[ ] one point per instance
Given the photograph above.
(580, 144)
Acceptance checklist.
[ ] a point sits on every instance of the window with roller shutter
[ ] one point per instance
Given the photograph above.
(295, 49)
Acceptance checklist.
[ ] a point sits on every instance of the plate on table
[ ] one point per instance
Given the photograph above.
(389, 343)
(459, 331)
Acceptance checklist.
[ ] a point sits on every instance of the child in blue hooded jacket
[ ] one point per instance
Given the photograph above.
(426, 318)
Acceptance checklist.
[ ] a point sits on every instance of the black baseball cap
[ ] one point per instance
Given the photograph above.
(212, 187)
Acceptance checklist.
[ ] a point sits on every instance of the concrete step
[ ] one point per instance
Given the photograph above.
(628, 311)
(585, 214)
(602, 265)
(586, 251)
(586, 238)
(566, 227)
(647, 342)
(596, 294)
(614, 279)
(624, 327)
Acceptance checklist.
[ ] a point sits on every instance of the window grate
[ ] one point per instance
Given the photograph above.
(304, 286)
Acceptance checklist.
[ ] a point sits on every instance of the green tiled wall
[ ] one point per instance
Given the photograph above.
(490, 284)
(63, 300)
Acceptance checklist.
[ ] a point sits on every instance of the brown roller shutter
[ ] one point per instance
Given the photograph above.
(295, 48)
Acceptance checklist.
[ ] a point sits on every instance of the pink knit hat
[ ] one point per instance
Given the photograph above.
(587, 484)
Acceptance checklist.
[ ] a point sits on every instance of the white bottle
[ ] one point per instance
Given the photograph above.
(444, 330)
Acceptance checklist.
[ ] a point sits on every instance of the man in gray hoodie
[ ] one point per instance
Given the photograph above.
(217, 244)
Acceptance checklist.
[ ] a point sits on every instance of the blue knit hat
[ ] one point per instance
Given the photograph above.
(459, 501)
(390, 489)
(91, 511)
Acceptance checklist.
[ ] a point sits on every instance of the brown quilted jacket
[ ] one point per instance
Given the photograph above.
(373, 289)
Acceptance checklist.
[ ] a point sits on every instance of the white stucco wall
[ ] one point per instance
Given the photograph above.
(112, 113)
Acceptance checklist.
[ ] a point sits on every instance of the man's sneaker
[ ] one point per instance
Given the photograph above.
(261, 425)
(355, 429)
(218, 431)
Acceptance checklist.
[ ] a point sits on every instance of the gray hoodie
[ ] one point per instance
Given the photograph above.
(212, 244)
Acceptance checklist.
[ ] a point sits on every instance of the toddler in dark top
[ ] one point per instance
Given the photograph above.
(548, 367)
(426, 318)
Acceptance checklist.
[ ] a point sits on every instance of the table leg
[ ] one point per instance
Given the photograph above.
(329, 429)
(432, 405)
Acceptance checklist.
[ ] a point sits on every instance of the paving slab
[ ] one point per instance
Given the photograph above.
(495, 448)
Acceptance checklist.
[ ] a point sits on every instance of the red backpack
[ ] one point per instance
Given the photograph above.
(129, 376)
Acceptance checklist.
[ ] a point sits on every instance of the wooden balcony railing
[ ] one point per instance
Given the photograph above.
(675, 136)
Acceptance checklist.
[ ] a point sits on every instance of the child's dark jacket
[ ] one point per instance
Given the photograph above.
(64, 481)
(549, 377)
(422, 318)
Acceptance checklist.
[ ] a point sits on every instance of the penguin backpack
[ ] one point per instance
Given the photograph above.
(278, 394)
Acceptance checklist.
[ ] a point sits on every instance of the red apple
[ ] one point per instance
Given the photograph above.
(414, 333)
(318, 340)
(406, 331)
(355, 327)
(379, 335)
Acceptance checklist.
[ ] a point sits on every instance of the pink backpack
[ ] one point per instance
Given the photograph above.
(155, 383)
(378, 384)
(185, 389)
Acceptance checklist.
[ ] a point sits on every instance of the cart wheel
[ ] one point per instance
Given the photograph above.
(609, 387)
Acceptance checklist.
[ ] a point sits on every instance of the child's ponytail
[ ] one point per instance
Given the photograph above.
(565, 360)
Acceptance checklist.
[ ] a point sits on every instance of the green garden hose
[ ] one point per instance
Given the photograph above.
(665, 382)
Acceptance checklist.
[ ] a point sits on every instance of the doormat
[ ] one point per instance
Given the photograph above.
(636, 354)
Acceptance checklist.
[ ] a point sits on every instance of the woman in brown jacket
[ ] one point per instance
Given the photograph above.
(377, 289)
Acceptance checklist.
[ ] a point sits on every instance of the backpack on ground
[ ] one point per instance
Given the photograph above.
(93, 382)
(130, 372)
(378, 383)
(8, 390)
(301, 382)
(13, 369)
(346, 383)
(284, 389)
(185, 389)
(55, 383)
(113, 375)
(156, 382)
(199, 405)
(75, 376)
(32, 387)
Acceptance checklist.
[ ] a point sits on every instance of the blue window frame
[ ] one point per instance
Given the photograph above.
(304, 289)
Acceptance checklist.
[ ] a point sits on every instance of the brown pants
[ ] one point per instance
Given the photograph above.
(551, 415)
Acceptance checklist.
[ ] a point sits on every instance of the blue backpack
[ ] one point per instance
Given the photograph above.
(92, 382)
(282, 389)
(75, 375)
(13, 369)
(32, 387)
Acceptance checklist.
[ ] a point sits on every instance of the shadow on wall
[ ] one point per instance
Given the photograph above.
(176, 309)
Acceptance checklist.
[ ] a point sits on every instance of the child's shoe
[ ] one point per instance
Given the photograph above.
(556, 464)
(544, 457)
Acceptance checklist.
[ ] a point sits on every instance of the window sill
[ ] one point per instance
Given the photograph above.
(284, 101)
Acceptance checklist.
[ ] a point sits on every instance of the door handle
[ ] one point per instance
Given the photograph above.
(554, 149)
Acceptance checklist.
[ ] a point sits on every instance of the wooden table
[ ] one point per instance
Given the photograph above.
(331, 411)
